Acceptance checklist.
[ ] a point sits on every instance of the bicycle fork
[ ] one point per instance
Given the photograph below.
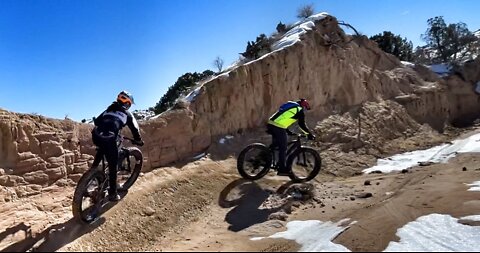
(302, 159)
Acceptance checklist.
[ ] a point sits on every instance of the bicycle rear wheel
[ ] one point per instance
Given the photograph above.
(305, 163)
(254, 161)
(89, 194)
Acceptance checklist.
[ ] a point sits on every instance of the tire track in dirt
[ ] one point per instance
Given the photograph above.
(160, 204)
(180, 208)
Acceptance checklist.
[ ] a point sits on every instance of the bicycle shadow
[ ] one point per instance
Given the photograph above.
(54, 237)
(13, 230)
(246, 211)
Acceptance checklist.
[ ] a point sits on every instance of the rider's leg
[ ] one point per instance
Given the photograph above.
(112, 157)
(282, 152)
(270, 131)
(279, 136)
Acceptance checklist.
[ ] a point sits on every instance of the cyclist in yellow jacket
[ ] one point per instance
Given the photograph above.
(278, 124)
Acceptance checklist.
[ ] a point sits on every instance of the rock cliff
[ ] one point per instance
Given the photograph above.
(338, 73)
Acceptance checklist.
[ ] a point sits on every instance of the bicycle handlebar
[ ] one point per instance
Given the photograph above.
(299, 135)
(302, 135)
(133, 141)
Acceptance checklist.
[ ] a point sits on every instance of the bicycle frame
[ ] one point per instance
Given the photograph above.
(100, 156)
(292, 146)
(256, 159)
(99, 176)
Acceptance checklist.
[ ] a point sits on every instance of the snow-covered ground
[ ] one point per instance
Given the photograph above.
(313, 235)
(433, 232)
(438, 154)
(474, 187)
(441, 69)
(430, 233)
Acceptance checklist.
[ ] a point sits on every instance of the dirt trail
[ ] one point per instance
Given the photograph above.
(439, 188)
(398, 198)
(243, 209)
(205, 206)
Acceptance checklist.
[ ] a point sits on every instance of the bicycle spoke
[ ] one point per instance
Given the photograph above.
(91, 200)
(254, 162)
(303, 164)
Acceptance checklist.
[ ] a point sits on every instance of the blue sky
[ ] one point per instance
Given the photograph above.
(71, 57)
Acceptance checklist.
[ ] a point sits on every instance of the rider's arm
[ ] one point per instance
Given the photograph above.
(133, 126)
(301, 122)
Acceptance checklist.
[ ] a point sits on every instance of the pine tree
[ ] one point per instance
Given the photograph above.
(183, 85)
(394, 44)
(450, 43)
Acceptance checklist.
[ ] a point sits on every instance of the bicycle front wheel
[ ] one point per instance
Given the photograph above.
(129, 168)
(305, 163)
(254, 161)
(89, 195)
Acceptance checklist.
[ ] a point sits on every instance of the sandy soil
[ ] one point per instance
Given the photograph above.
(205, 206)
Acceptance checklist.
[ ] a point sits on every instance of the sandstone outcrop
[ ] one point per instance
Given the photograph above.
(36, 152)
(338, 73)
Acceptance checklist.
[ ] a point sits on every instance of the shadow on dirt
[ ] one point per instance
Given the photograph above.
(13, 230)
(52, 238)
(247, 198)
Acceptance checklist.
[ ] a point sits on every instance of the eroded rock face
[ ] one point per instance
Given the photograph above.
(37, 151)
(332, 70)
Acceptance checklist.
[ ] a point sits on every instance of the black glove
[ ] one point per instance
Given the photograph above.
(311, 137)
(138, 142)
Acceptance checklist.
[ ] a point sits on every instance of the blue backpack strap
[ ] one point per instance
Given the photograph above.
(287, 106)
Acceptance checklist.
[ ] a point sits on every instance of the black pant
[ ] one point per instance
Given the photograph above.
(279, 139)
(107, 143)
